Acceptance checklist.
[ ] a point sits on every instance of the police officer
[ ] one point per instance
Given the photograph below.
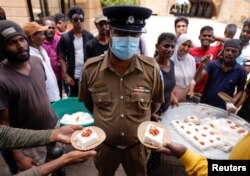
(122, 89)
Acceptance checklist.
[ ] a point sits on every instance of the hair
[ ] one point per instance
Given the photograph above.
(58, 17)
(165, 36)
(181, 18)
(206, 28)
(2, 14)
(75, 10)
(48, 18)
(231, 29)
(246, 23)
(234, 43)
(40, 14)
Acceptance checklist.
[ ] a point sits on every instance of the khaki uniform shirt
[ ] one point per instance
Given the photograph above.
(121, 103)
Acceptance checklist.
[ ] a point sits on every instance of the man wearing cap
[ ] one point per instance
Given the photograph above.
(122, 89)
(224, 75)
(71, 50)
(24, 102)
(36, 37)
(100, 44)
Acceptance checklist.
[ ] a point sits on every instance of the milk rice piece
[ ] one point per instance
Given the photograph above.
(153, 135)
(86, 138)
(77, 118)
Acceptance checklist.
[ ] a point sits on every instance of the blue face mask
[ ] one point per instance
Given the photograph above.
(125, 47)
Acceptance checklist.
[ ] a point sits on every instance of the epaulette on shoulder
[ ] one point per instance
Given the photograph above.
(93, 60)
(149, 60)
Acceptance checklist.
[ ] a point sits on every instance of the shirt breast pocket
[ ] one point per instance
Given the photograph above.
(140, 103)
(103, 103)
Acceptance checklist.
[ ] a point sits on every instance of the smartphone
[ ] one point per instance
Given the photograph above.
(193, 99)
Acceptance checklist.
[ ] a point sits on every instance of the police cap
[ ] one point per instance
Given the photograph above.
(127, 18)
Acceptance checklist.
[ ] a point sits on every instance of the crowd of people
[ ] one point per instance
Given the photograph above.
(119, 85)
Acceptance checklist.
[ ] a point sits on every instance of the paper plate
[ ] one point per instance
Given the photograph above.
(141, 131)
(99, 132)
(225, 97)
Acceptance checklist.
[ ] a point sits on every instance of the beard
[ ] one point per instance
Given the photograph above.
(50, 35)
(18, 57)
(244, 40)
(228, 64)
(103, 32)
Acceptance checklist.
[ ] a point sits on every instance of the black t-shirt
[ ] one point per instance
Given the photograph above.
(169, 83)
(94, 48)
(26, 97)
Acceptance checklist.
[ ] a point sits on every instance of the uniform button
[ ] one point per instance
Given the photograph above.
(142, 100)
(121, 79)
(122, 134)
(121, 97)
(122, 115)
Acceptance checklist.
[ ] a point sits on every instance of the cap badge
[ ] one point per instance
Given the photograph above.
(131, 20)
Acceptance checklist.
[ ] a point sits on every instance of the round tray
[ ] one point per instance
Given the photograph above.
(203, 111)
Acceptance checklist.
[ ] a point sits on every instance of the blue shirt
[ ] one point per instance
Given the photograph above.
(221, 81)
(240, 60)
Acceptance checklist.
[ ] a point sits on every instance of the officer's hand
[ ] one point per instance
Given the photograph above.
(175, 149)
(64, 133)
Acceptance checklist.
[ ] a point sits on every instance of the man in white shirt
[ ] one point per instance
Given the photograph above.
(35, 33)
(244, 38)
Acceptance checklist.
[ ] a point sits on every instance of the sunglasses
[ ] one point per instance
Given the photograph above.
(77, 19)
